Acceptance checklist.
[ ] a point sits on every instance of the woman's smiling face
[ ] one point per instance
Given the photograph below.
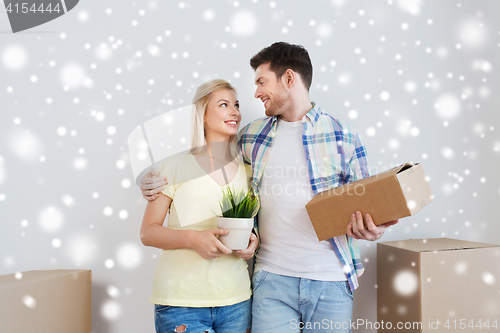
(222, 117)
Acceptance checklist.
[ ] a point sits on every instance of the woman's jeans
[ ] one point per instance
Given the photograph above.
(234, 318)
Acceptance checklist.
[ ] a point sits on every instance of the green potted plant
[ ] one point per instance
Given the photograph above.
(238, 209)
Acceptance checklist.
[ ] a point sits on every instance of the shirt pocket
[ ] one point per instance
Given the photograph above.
(335, 170)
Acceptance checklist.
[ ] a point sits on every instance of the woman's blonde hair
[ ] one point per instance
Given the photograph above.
(200, 101)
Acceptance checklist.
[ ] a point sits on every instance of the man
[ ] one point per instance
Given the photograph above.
(297, 151)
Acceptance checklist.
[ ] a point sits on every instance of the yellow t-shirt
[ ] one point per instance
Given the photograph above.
(182, 276)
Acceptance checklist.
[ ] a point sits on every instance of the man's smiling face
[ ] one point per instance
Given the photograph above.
(270, 90)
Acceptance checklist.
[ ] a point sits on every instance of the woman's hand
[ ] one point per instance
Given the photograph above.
(207, 245)
(250, 250)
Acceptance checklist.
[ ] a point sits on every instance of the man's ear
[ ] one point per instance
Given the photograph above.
(289, 78)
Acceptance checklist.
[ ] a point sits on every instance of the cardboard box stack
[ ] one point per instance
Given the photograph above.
(53, 301)
(438, 285)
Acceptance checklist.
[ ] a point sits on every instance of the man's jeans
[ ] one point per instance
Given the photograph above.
(290, 304)
(224, 319)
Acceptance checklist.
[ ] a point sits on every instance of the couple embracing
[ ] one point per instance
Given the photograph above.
(287, 157)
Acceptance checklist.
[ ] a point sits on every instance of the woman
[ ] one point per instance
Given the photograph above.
(199, 284)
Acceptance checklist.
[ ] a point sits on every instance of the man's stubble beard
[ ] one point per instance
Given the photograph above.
(278, 104)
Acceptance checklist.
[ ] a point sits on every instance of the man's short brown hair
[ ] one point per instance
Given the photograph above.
(283, 56)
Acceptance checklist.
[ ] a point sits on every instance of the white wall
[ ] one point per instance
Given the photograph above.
(64, 170)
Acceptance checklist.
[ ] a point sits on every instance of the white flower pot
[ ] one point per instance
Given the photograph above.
(238, 236)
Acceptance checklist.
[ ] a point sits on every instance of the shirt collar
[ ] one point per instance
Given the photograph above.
(312, 115)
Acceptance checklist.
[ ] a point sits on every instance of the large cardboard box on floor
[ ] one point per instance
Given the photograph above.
(399, 192)
(52, 301)
(444, 284)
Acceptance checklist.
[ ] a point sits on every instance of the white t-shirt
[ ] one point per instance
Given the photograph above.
(289, 245)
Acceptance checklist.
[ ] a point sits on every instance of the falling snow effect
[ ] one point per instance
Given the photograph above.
(29, 301)
(472, 33)
(417, 78)
(324, 30)
(73, 75)
(25, 145)
(14, 57)
(68, 200)
(405, 283)
(129, 256)
(82, 249)
(244, 23)
(111, 310)
(488, 278)
(448, 106)
(209, 15)
(50, 219)
(412, 7)
(461, 268)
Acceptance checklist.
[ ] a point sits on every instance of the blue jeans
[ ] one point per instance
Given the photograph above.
(290, 304)
(234, 318)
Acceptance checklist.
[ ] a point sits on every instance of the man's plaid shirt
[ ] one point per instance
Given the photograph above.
(335, 156)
